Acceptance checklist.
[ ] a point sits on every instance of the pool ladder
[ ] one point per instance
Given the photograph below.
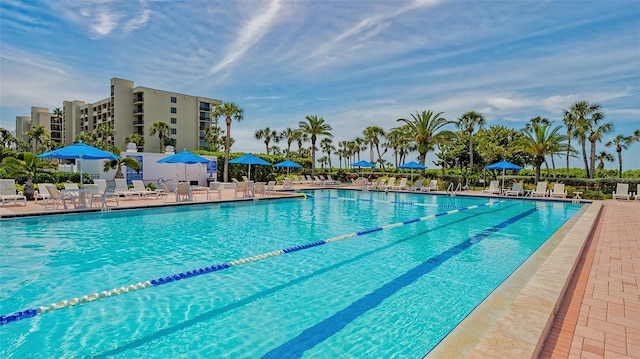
(451, 192)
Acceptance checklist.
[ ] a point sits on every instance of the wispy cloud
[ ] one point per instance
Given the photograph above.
(249, 34)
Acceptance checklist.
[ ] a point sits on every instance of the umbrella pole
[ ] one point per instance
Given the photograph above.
(80, 166)
(249, 174)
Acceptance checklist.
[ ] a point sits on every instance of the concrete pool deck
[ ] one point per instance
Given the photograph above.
(578, 297)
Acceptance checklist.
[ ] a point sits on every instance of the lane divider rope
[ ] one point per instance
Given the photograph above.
(29, 313)
(411, 203)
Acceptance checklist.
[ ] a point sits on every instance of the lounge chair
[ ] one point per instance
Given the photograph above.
(332, 181)
(400, 185)
(214, 189)
(416, 186)
(270, 187)
(622, 191)
(378, 184)
(390, 183)
(123, 190)
(541, 190)
(241, 189)
(637, 196)
(433, 186)
(287, 184)
(59, 197)
(516, 190)
(41, 192)
(72, 189)
(138, 186)
(494, 188)
(260, 189)
(558, 191)
(8, 192)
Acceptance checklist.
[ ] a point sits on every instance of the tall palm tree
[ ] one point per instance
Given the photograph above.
(300, 137)
(601, 157)
(372, 136)
(230, 111)
(425, 130)
(289, 135)
(6, 138)
(118, 163)
(621, 142)
(540, 140)
(467, 123)
(569, 121)
(267, 135)
(314, 127)
(596, 130)
(212, 136)
(326, 144)
(37, 134)
(104, 132)
(162, 129)
(582, 113)
(136, 138)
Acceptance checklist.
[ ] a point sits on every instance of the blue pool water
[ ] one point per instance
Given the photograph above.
(365, 289)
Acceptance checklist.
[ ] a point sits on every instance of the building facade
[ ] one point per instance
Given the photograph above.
(40, 116)
(130, 109)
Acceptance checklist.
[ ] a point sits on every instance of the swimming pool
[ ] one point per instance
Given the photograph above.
(371, 291)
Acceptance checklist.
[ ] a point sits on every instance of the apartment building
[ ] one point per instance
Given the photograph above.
(134, 109)
(40, 117)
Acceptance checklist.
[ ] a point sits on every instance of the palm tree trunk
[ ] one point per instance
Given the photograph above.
(593, 159)
(584, 157)
(313, 156)
(620, 166)
(227, 145)
(553, 165)
(568, 148)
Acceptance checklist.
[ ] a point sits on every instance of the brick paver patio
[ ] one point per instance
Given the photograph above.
(600, 313)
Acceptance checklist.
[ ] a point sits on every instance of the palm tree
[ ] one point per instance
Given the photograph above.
(621, 142)
(6, 138)
(596, 130)
(212, 135)
(467, 123)
(300, 137)
(569, 121)
(267, 134)
(372, 136)
(425, 130)
(314, 127)
(28, 165)
(326, 144)
(288, 135)
(117, 163)
(136, 138)
(103, 133)
(580, 112)
(162, 129)
(37, 134)
(601, 157)
(230, 111)
(540, 140)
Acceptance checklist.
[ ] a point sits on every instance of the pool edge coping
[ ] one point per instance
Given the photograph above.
(514, 320)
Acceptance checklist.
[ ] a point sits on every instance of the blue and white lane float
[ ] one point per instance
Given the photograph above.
(410, 203)
(29, 313)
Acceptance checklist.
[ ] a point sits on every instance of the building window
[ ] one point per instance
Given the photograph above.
(174, 110)
(174, 100)
(174, 120)
(174, 131)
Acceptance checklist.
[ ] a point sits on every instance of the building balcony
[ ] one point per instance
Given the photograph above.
(138, 99)
(138, 111)
(138, 122)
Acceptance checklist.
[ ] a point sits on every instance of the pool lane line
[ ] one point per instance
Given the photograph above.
(321, 331)
(411, 203)
(30, 313)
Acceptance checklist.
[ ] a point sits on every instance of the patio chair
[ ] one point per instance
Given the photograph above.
(390, 183)
(400, 185)
(123, 190)
(332, 181)
(214, 188)
(260, 189)
(138, 186)
(494, 188)
(637, 195)
(41, 192)
(271, 186)
(59, 197)
(8, 192)
(72, 189)
(287, 184)
(541, 190)
(103, 194)
(183, 192)
(622, 191)
(516, 190)
(241, 190)
(433, 186)
(558, 191)
(416, 186)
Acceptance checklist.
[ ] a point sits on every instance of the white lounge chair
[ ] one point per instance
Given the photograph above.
(433, 186)
(270, 187)
(541, 190)
(138, 186)
(516, 190)
(287, 184)
(622, 191)
(8, 192)
(59, 197)
(41, 192)
(72, 189)
(400, 185)
(379, 184)
(558, 191)
(494, 188)
(123, 190)
(637, 196)
(390, 183)
(103, 194)
(416, 186)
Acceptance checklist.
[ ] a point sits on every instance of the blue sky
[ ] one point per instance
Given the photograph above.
(354, 63)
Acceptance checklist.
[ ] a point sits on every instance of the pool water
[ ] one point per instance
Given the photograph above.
(391, 292)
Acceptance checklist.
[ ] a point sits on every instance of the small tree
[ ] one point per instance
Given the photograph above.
(117, 164)
(28, 165)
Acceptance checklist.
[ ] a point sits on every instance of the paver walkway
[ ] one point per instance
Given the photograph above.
(600, 314)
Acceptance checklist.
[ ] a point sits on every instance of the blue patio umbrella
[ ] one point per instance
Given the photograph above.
(288, 164)
(363, 163)
(503, 165)
(249, 159)
(185, 157)
(413, 165)
(79, 151)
